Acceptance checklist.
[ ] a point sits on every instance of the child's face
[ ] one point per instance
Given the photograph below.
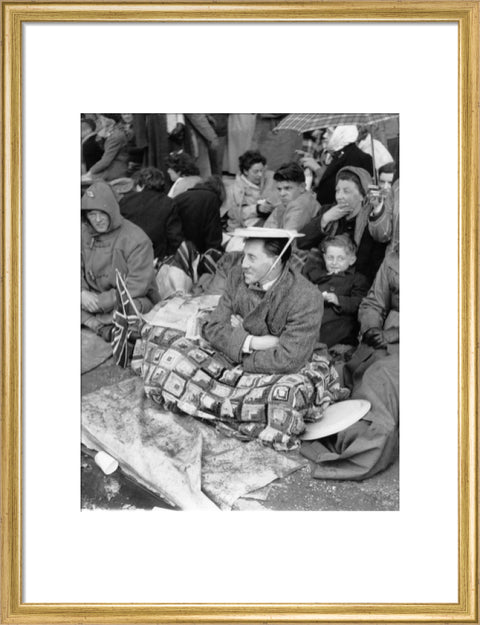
(337, 259)
(289, 190)
(385, 181)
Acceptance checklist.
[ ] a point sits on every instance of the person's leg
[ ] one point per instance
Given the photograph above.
(370, 445)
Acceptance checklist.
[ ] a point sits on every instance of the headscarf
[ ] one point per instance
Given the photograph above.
(342, 136)
(382, 155)
(363, 177)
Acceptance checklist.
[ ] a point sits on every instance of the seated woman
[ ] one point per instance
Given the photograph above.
(148, 207)
(110, 242)
(354, 215)
(268, 319)
(114, 162)
(252, 196)
(342, 288)
(183, 173)
(198, 210)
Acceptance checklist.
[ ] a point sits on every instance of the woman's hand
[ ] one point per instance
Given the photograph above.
(264, 207)
(89, 302)
(375, 198)
(260, 343)
(335, 213)
(310, 162)
(377, 338)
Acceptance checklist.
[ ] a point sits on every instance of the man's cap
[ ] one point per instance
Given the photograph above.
(257, 232)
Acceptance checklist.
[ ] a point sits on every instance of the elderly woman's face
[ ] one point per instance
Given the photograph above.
(255, 173)
(347, 195)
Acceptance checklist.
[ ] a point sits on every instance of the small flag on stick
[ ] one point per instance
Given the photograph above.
(127, 323)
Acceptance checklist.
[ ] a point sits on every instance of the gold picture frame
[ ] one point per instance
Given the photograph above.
(466, 16)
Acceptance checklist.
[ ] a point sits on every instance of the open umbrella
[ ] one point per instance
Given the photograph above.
(303, 122)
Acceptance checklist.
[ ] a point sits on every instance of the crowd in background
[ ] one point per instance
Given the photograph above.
(198, 177)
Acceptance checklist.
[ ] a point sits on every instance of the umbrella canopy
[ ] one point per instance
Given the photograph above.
(303, 122)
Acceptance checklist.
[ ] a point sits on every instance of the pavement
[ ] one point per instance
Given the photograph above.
(297, 491)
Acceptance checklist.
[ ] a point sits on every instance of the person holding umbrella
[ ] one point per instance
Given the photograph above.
(344, 152)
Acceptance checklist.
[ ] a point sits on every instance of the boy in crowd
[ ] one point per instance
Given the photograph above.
(341, 286)
(386, 174)
(298, 206)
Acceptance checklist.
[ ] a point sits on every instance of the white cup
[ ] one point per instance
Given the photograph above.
(106, 463)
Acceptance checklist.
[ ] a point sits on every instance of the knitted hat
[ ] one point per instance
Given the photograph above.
(364, 178)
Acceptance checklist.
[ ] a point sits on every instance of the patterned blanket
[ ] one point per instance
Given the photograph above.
(187, 376)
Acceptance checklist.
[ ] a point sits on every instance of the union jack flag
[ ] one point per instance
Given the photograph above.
(127, 323)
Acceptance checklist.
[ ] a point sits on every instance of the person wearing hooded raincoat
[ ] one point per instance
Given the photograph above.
(370, 445)
(110, 242)
(357, 218)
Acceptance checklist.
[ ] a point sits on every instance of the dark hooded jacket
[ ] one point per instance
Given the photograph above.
(363, 229)
(124, 247)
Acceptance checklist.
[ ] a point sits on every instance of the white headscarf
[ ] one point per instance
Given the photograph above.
(342, 136)
(382, 155)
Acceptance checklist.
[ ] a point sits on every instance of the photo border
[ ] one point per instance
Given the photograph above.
(466, 16)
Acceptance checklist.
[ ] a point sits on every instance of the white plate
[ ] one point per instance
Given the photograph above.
(337, 417)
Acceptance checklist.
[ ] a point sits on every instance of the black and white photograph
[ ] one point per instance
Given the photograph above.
(240, 311)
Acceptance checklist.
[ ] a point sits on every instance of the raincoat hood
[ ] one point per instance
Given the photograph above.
(342, 136)
(100, 196)
(362, 174)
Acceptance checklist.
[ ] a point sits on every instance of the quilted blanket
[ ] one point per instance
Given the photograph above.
(186, 375)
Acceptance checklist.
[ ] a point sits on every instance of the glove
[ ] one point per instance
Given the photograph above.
(375, 338)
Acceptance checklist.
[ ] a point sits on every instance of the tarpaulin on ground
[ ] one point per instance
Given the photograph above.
(188, 463)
